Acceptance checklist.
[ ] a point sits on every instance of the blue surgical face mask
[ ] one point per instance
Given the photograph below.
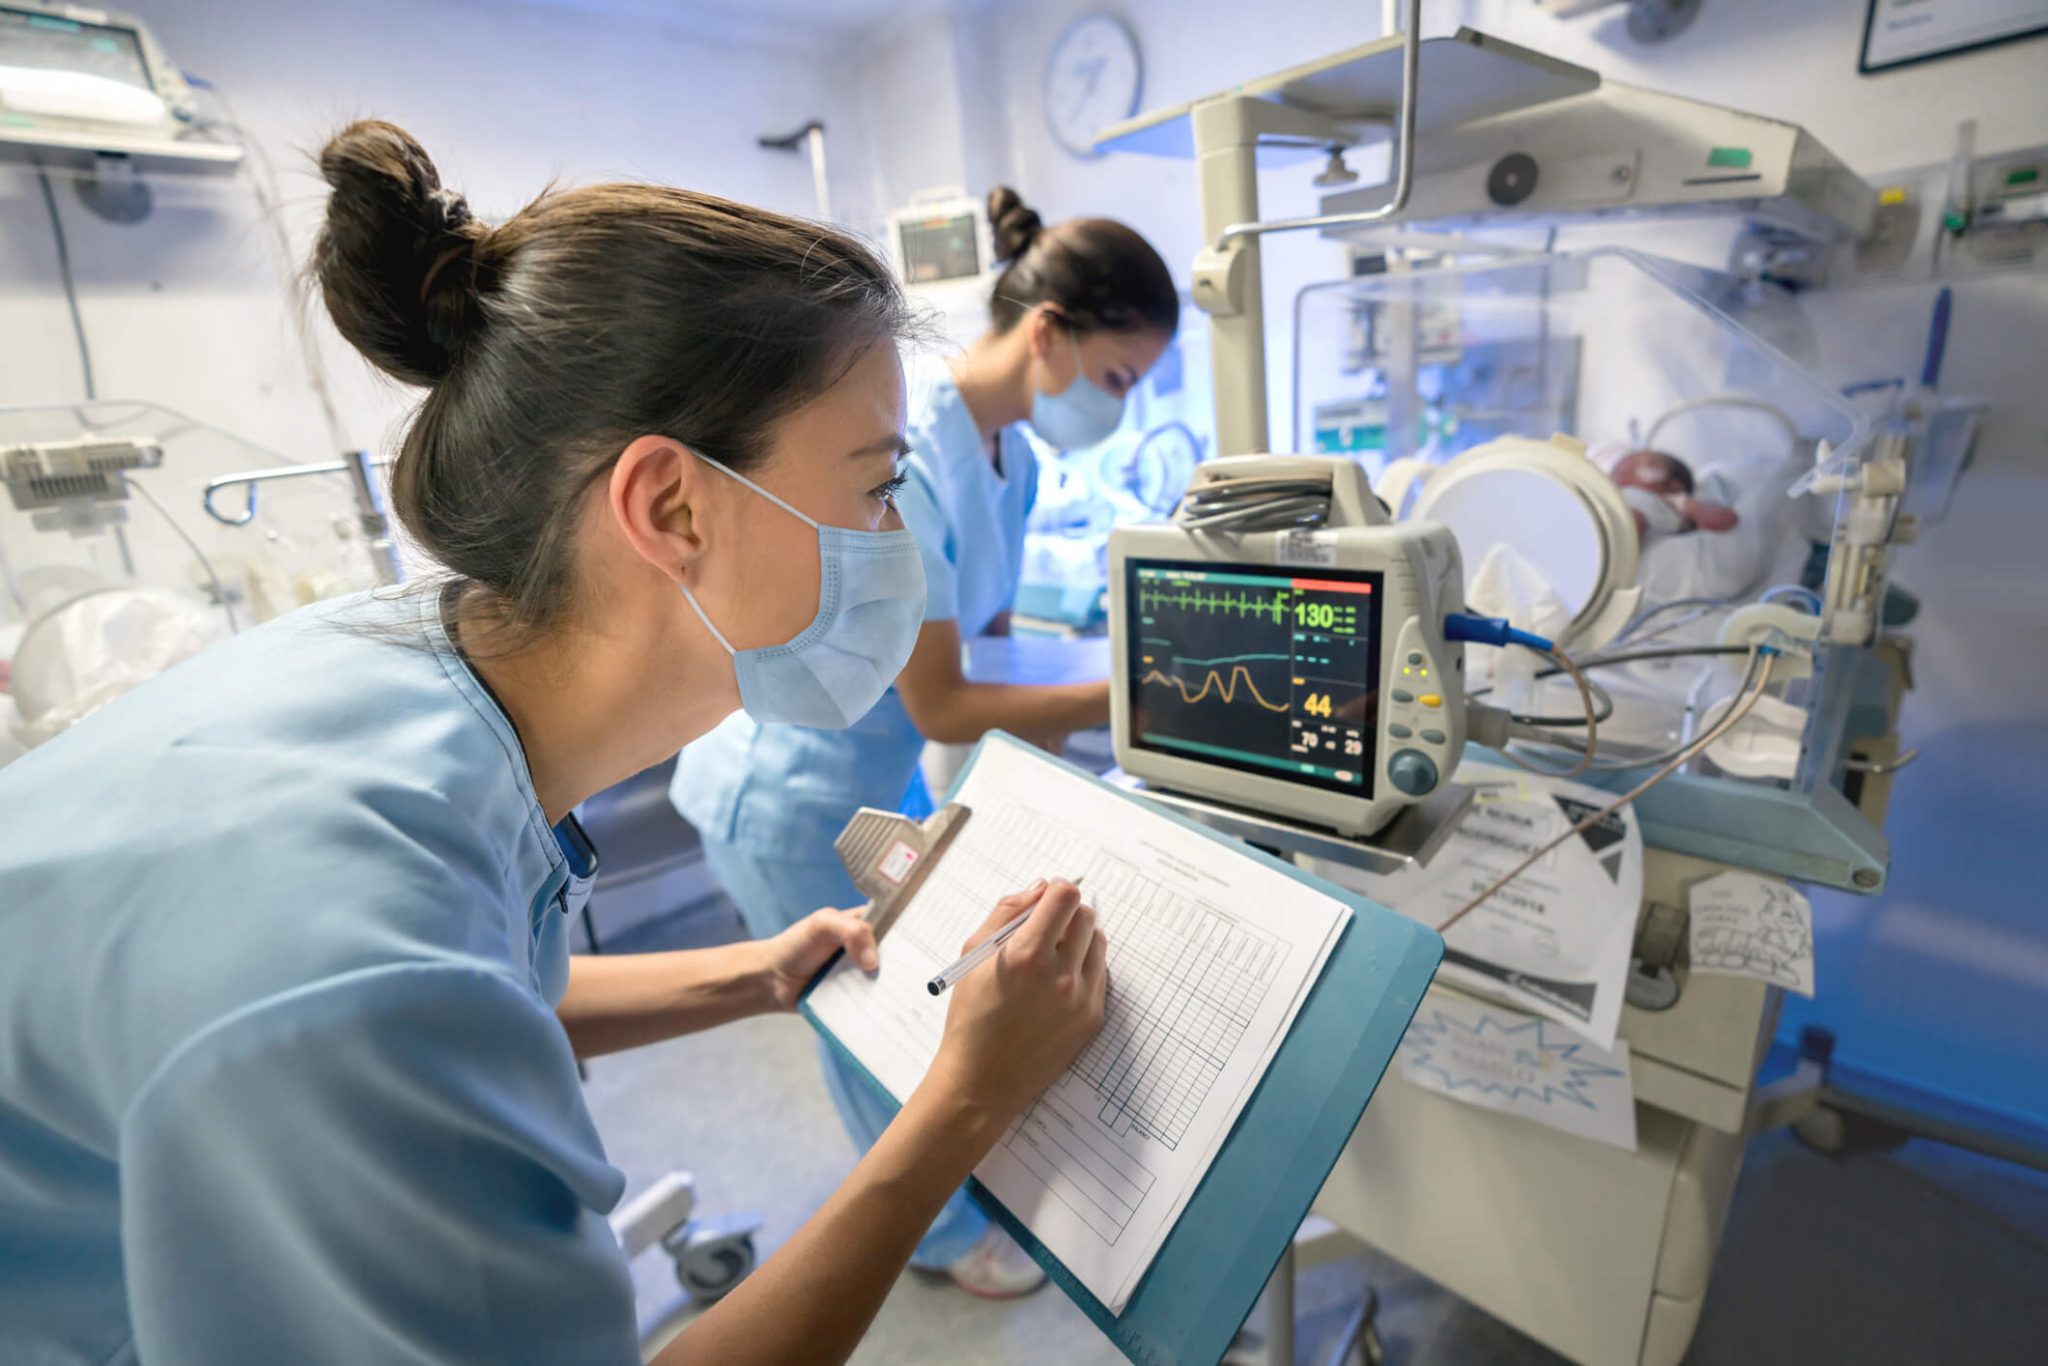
(1079, 416)
(870, 605)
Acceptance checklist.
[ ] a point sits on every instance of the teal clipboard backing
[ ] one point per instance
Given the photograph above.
(1245, 1212)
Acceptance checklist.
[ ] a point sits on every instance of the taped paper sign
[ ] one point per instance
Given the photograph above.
(1521, 1065)
(1748, 926)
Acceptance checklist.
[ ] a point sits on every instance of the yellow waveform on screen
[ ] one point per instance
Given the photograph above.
(1225, 688)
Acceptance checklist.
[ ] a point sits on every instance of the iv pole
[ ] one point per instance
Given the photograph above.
(810, 137)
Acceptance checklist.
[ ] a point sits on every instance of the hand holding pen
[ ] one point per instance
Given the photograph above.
(977, 954)
(1013, 1025)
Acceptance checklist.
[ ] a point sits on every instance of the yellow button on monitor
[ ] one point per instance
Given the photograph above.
(1430, 699)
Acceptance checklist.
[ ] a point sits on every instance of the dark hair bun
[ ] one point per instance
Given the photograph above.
(396, 258)
(1016, 225)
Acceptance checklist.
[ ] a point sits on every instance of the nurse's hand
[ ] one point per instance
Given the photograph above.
(1017, 1021)
(795, 955)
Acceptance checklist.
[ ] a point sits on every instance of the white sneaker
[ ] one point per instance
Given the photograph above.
(997, 1269)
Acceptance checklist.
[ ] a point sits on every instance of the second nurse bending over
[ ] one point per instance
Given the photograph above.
(1081, 312)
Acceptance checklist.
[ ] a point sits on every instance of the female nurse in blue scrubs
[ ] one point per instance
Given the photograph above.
(288, 1026)
(1081, 312)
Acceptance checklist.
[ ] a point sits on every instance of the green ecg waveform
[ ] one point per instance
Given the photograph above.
(1208, 603)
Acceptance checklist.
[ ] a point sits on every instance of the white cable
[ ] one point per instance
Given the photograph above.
(220, 589)
(1728, 722)
(270, 201)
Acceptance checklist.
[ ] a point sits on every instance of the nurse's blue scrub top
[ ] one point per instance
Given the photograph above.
(787, 790)
(280, 1078)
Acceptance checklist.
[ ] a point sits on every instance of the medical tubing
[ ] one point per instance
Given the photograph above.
(1635, 656)
(1727, 723)
(1472, 629)
(221, 589)
(1600, 695)
(1651, 760)
(1591, 722)
(1592, 712)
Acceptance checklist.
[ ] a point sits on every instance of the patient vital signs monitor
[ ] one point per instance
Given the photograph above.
(1256, 669)
(1280, 646)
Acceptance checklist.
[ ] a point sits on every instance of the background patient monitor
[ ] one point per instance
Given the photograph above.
(1299, 670)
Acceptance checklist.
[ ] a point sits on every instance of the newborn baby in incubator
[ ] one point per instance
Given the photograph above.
(1659, 489)
(1695, 544)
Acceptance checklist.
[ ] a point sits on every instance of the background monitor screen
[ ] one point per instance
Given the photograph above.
(48, 42)
(942, 247)
(1267, 671)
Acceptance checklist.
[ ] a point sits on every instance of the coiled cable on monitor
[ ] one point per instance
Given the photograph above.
(1249, 505)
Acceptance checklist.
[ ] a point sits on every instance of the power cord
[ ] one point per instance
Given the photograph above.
(70, 284)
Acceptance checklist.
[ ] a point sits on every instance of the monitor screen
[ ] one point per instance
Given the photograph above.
(1265, 670)
(942, 247)
(47, 42)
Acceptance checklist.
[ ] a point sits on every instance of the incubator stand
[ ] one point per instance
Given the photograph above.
(1601, 1253)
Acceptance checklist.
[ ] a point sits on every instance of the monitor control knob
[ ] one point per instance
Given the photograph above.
(1413, 772)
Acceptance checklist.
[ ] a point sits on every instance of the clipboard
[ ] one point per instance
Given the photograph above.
(1245, 1212)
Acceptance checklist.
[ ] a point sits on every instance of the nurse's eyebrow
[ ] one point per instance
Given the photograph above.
(888, 445)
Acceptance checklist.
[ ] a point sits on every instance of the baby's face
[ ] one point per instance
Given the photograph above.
(1664, 475)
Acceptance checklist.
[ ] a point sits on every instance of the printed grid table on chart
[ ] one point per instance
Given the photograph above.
(1186, 979)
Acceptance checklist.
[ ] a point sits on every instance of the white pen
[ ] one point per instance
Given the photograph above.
(980, 953)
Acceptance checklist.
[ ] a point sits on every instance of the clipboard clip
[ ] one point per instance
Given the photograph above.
(889, 856)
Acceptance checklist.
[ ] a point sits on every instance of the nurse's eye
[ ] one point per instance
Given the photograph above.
(886, 492)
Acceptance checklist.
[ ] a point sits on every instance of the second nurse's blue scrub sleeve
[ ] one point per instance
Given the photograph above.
(373, 1170)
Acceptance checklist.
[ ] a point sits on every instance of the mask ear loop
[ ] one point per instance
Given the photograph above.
(698, 608)
(739, 478)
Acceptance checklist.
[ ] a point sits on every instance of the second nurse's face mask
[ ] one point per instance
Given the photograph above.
(870, 605)
(1079, 416)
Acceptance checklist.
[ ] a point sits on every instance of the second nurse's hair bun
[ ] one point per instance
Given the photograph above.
(1015, 224)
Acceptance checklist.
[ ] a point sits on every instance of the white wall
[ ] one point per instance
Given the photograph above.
(190, 308)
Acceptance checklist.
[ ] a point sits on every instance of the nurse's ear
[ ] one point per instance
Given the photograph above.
(1046, 336)
(658, 495)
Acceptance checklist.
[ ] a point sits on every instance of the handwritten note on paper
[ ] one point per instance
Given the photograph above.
(1748, 926)
(1504, 1060)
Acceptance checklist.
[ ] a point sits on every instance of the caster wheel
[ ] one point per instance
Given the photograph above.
(1823, 1131)
(710, 1268)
